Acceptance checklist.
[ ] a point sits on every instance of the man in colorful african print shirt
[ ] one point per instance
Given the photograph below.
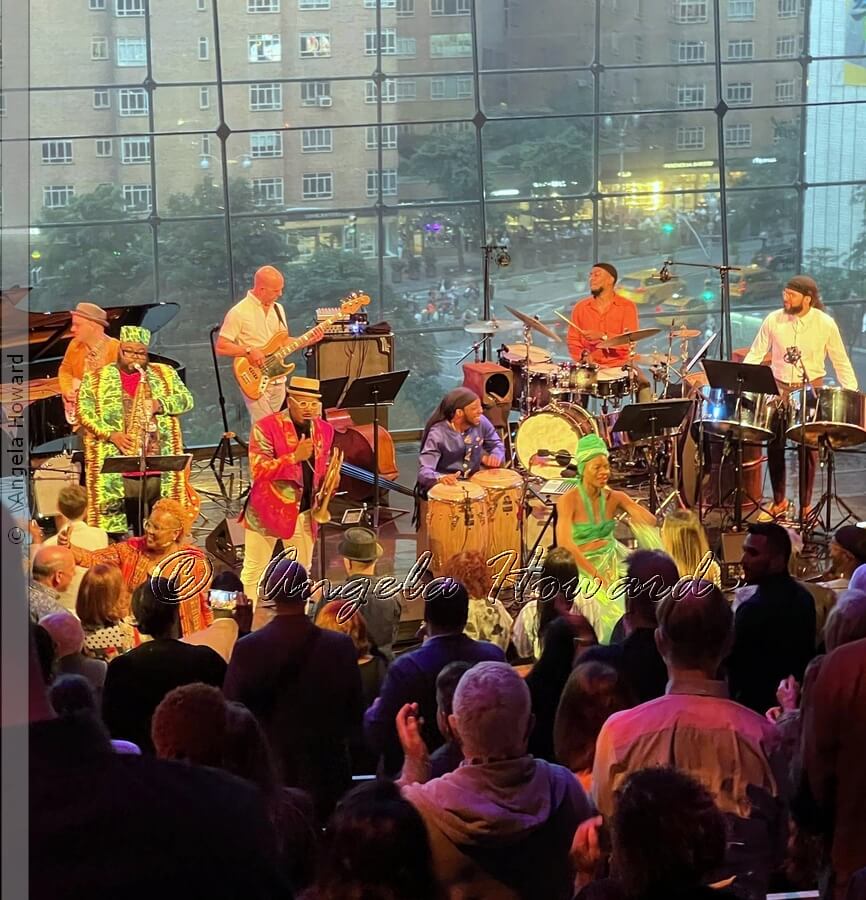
(120, 407)
(289, 453)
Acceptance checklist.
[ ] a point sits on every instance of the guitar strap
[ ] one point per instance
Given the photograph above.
(279, 312)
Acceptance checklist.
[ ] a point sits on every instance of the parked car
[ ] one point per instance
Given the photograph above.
(775, 256)
(644, 287)
(752, 284)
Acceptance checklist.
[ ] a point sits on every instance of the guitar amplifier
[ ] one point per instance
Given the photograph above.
(353, 356)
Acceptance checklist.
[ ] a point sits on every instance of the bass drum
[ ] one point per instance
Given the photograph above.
(555, 429)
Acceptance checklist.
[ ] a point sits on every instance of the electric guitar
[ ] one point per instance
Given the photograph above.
(254, 380)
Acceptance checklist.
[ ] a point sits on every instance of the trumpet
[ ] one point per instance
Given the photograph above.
(319, 512)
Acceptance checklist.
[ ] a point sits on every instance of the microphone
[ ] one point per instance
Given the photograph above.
(562, 457)
(792, 355)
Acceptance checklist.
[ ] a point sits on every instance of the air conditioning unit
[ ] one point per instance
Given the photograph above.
(325, 101)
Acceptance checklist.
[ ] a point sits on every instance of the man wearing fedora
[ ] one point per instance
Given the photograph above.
(289, 453)
(89, 350)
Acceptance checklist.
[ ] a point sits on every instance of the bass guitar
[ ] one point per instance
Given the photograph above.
(254, 380)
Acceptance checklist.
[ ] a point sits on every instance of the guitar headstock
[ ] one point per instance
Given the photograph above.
(351, 303)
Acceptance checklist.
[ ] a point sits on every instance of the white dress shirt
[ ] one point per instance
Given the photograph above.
(247, 324)
(816, 335)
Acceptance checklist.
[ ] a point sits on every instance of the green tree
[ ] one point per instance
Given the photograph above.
(562, 157)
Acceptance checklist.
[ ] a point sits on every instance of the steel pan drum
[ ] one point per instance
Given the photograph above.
(833, 414)
(754, 421)
(557, 428)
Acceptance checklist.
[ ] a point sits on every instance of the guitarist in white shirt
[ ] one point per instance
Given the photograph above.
(249, 325)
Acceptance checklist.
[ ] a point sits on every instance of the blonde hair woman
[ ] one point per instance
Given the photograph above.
(684, 538)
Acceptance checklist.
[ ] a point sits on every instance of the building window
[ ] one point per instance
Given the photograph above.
(57, 152)
(691, 96)
(266, 144)
(450, 46)
(449, 7)
(268, 191)
(385, 4)
(95, 5)
(741, 49)
(407, 47)
(316, 93)
(738, 92)
(201, 5)
(405, 8)
(389, 183)
(204, 98)
(133, 101)
(688, 51)
(406, 89)
(687, 12)
(103, 147)
(264, 48)
(263, 6)
(741, 10)
(314, 44)
(786, 91)
(782, 132)
(690, 137)
(389, 137)
(389, 91)
(204, 145)
(314, 4)
(134, 150)
(57, 195)
(317, 140)
(388, 41)
(267, 95)
(738, 135)
(638, 48)
(453, 87)
(789, 9)
(786, 46)
(203, 48)
(318, 186)
(129, 7)
(101, 99)
(137, 197)
(99, 48)
(131, 51)
(2, 105)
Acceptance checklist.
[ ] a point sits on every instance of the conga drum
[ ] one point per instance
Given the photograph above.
(504, 489)
(456, 521)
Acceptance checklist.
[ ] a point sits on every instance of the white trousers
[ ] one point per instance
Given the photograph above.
(259, 548)
(270, 402)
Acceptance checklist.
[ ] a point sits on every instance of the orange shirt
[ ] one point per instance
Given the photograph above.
(75, 363)
(620, 316)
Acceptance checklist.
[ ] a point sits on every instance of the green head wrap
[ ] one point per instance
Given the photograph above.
(588, 448)
(133, 334)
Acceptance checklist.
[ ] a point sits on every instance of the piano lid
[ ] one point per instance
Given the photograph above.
(49, 332)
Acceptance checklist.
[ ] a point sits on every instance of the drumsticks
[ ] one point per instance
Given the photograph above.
(589, 335)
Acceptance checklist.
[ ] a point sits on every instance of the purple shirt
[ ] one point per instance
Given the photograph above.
(446, 450)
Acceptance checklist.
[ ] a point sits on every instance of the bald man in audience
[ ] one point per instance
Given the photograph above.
(52, 572)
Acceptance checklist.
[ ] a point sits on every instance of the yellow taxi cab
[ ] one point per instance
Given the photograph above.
(644, 287)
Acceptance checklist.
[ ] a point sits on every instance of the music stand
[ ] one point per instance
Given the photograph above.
(647, 420)
(139, 465)
(739, 378)
(375, 391)
(331, 391)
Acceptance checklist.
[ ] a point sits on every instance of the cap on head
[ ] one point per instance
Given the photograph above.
(803, 284)
(853, 539)
(305, 387)
(284, 581)
(360, 544)
(135, 334)
(609, 268)
(92, 313)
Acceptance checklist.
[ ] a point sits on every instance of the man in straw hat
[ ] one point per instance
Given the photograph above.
(289, 453)
(803, 326)
(90, 349)
(121, 406)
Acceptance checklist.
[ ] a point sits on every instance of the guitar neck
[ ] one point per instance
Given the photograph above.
(298, 342)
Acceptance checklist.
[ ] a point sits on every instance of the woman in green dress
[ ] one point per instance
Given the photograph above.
(586, 521)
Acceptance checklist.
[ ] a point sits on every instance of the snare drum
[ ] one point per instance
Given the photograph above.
(613, 383)
(456, 520)
(582, 377)
(514, 356)
(504, 488)
(557, 428)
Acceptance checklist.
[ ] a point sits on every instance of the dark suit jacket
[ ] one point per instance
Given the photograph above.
(411, 678)
(302, 683)
(137, 681)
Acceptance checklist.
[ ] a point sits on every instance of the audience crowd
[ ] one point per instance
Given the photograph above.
(715, 748)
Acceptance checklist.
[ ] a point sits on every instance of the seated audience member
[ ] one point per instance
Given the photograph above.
(684, 539)
(449, 755)
(774, 633)
(303, 685)
(502, 823)
(46, 654)
(51, 574)
(375, 846)
(231, 612)
(412, 677)
(137, 681)
(593, 693)
(847, 554)
(488, 618)
(72, 695)
(68, 637)
(650, 576)
(103, 608)
(732, 751)
(196, 724)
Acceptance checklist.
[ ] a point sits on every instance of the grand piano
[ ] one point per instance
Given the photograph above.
(48, 337)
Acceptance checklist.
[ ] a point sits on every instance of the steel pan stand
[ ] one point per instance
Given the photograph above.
(822, 512)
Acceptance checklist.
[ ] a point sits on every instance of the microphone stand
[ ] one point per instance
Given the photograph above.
(142, 454)
(223, 451)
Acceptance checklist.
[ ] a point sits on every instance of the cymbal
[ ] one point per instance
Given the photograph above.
(492, 326)
(629, 337)
(654, 359)
(685, 334)
(533, 323)
(589, 335)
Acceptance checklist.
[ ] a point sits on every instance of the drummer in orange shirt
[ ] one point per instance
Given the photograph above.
(604, 313)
